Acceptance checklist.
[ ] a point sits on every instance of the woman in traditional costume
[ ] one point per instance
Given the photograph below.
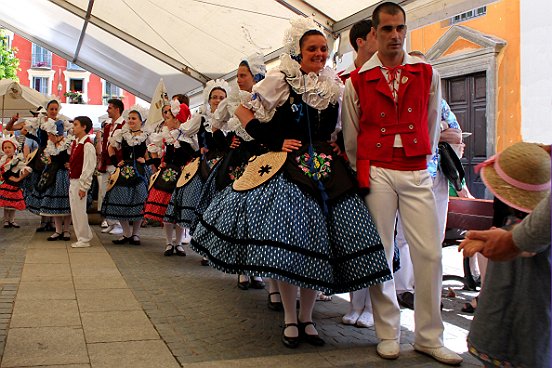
(53, 184)
(128, 189)
(294, 214)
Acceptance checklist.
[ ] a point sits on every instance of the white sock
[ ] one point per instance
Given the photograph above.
(179, 233)
(169, 228)
(126, 228)
(136, 227)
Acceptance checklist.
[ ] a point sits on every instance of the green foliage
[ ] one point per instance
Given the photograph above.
(9, 63)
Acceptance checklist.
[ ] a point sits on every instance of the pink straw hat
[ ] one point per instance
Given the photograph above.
(519, 176)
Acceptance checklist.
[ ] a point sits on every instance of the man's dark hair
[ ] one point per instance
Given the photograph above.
(85, 122)
(182, 98)
(388, 8)
(118, 104)
(359, 30)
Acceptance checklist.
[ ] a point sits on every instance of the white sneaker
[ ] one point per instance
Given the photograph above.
(108, 228)
(441, 354)
(116, 230)
(365, 320)
(104, 224)
(389, 349)
(350, 318)
(187, 237)
(80, 245)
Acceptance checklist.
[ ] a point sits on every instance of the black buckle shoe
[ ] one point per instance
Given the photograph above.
(122, 240)
(311, 339)
(275, 306)
(179, 252)
(257, 284)
(134, 240)
(169, 251)
(55, 236)
(290, 342)
(244, 285)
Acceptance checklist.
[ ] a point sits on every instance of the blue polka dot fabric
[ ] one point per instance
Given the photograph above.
(277, 231)
(181, 209)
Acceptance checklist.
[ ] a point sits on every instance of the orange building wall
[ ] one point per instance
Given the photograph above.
(502, 20)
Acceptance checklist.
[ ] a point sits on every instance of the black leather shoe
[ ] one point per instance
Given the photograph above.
(134, 240)
(257, 284)
(54, 237)
(43, 227)
(179, 252)
(66, 236)
(122, 240)
(169, 251)
(244, 285)
(275, 306)
(311, 339)
(290, 342)
(406, 300)
(205, 262)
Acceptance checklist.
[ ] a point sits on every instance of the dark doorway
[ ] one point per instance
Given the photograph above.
(467, 98)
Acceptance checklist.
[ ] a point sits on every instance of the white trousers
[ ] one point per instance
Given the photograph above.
(78, 213)
(408, 193)
(404, 278)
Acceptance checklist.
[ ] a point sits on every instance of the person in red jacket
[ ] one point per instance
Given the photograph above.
(391, 125)
(82, 164)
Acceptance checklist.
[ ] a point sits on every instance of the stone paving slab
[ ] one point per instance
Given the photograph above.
(45, 313)
(55, 255)
(44, 346)
(46, 289)
(46, 271)
(132, 354)
(117, 326)
(99, 282)
(103, 300)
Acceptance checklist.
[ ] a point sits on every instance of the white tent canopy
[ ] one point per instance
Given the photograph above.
(134, 43)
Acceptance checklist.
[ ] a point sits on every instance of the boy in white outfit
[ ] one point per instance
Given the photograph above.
(81, 168)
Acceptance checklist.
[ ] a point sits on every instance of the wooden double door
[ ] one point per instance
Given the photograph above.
(467, 98)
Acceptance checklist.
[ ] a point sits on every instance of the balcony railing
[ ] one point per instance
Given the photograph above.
(42, 61)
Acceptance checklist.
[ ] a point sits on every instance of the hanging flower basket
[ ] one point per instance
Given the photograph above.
(74, 97)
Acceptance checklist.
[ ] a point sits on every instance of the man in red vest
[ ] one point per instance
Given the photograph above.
(82, 163)
(391, 125)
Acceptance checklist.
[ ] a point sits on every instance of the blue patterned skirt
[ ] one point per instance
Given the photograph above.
(54, 201)
(181, 209)
(33, 198)
(278, 231)
(126, 202)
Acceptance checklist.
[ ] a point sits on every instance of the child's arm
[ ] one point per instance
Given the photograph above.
(88, 167)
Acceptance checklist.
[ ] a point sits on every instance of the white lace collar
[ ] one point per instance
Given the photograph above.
(131, 139)
(318, 90)
(171, 137)
(53, 150)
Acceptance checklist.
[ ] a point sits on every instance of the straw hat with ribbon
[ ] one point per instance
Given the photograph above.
(519, 176)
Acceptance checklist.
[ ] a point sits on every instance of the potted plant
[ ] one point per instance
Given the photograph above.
(74, 97)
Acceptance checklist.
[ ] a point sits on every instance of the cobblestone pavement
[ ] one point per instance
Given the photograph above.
(206, 321)
(203, 317)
